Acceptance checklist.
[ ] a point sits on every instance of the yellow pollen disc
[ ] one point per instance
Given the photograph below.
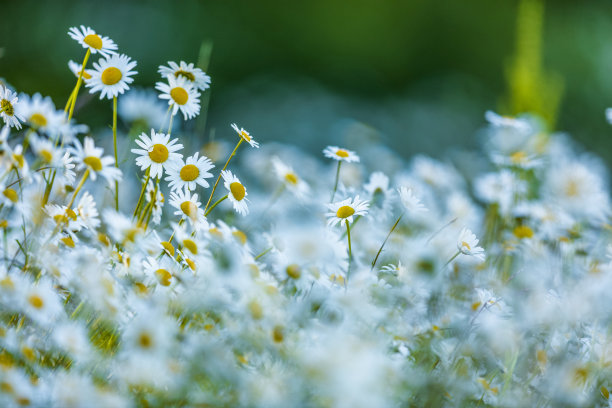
(518, 157)
(19, 159)
(293, 271)
(184, 74)
(191, 246)
(68, 242)
(111, 75)
(11, 195)
(523, 231)
(38, 120)
(85, 75)
(7, 107)
(6, 387)
(238, 190)
(466, 245)
(291, 178)
(245, 136)
(163, 276)
(342, 153)
(191, 264)
(46, 155)
(144, 340)
(159, 153)
(189, 208)
(256, 310)
(3, 224)
(476, 305)
(168, 247)
(93, 162)
(240, 236)
(179, 95)
(345, 211)
(277, 334)
(189, 172)
(140, 288)
(70, 213)
(215, 232)
(28, 353)
(94, 41)
(36, 301)
(572, 189)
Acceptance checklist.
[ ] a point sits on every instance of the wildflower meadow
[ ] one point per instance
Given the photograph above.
(144, 267)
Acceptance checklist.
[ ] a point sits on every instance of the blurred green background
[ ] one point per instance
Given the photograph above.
(418, 74)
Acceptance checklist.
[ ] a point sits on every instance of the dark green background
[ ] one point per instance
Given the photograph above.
(421, 72)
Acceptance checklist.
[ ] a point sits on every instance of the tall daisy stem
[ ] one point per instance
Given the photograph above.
(79, 187)
(115, 146)
(219, 178)
(142, 192)
(336, 183)
(350, 252)
(170, 125)
(452, 258)
(78, 85)
(149, 207)
(385, 241)
(215, 204)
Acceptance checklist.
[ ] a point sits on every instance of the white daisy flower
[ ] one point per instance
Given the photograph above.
(190, 173)
(47, 152)
(336, 153)
(410, 202)
(90, 157)
(288, 177)
(187, 206)
(496, 120)
(159, 272)
(236, 192)
(245, 135)
(40, 114)
(378, 183)
(346, 210)
(87, 213)
(196, 76)
(8, 108)
(157, 152)
(181, 94)
(111, 76)
(76, 70)
(467, 244)
(89, 39)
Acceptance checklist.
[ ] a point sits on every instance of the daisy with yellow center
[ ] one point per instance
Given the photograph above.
(181, 94)
(187, 206)
(157, 152)
(190, 173)
(8, 105)
(95, 43)
(289, 178)
(40, 114)
(236, 192)
(340, 155)
(76, 69)
(46, 151)
(245, 136)
(111, 75)
(196, 76)
(467, 244)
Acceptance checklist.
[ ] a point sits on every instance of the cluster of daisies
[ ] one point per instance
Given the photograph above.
(354, 279)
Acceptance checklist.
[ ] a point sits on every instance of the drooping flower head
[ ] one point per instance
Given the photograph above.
(89, 39)
(196, 76)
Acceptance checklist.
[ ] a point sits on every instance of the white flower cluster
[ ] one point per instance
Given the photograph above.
(383, 296)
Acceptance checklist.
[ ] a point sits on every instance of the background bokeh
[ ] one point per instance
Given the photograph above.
(416, 74)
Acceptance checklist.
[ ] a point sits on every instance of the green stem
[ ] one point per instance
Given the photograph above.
(83, 179)
(78, 85)
(219, 178)
(336, 183)
(263, 253)
(115, 146)
(170, 124)
(215, 204)
(453, 258)
(385, 241)
(142, 192)
(350, 252)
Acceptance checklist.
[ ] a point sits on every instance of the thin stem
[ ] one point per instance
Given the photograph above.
(170, 124)
(181, 222)
(385, 241)
(78, 85)
(215, 204)
(263, 253)
(219, 178)
(149, 208)
(165, 116)
(115, 146)
(350, 252)
(453, 258)
(336, 183)
(142, 191)
(83, 179)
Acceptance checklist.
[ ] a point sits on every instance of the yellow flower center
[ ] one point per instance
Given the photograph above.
(6, 107)
(293, 271)
(111, 75)
(245, 135)
(466, 245)
(144, 340)
(240, 236)
(523, 231)
(238, 190)
(46, 155)
(68, 241)
(191, 264)
(189, 172)
(36, 301)
(184, 74)
(189, 208)
(342, 153)
(159, 153)
(345, 211)
(163, 276)
(291, 178)
(572, 189)
(191, 246)
(11, 194)
(93, 162)
(179, 95)
(518, 157)
(38, 120)
(277, 334)
(19, 160)
(168, 247)
(94, 41)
